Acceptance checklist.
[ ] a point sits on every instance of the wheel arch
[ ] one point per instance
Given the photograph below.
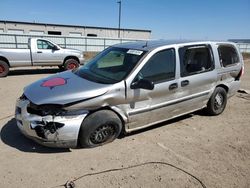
(223, 86)
(121, 117)
(5, 60)
(115, 111)
(71, 57)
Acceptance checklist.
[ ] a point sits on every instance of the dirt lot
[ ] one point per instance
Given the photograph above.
(193, 148)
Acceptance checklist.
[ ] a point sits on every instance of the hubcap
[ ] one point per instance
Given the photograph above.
(72, 66)
(102, 134)
(218, 101)
(2, 69)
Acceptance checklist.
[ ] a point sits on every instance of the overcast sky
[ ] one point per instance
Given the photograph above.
(168, 19)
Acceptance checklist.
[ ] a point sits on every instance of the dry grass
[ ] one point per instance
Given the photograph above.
(89, 55)
(246, 55)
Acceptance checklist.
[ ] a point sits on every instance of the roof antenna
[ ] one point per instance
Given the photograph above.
(146, 44)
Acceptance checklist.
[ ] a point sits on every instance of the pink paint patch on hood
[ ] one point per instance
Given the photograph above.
(54, 82)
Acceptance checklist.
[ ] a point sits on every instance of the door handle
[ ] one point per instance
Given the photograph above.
(39, 52)
(184, 83)
(173, 86)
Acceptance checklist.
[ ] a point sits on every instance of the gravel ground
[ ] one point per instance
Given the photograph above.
(192, 151)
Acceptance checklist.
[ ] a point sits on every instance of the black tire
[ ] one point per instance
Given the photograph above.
(217, 102)
(61, 68)
(71, 64)
(99, 128)
(4, 68)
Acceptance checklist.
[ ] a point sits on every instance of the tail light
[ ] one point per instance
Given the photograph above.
(240, 73)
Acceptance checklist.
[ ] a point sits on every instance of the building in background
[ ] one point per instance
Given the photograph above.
(15, 34)
(15, 27)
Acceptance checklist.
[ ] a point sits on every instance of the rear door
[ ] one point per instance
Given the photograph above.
(197, 77)
(45, 53)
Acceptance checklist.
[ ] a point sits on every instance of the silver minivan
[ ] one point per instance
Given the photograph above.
(128, 87)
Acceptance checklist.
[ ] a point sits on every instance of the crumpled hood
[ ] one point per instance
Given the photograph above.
(63, 88)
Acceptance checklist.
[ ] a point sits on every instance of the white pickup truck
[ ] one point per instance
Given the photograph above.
(40, 52)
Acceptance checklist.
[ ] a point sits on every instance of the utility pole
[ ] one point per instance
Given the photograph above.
(119, 26)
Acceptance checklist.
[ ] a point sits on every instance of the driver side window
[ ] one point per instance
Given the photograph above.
(41, 44)
(160, 67)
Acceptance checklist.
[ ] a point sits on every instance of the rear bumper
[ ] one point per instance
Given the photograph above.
(57, 131)
(233, 88)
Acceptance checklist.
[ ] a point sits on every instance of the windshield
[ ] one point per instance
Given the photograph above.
(110, 66)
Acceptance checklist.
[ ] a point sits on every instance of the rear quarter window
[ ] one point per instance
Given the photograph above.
(228, 55)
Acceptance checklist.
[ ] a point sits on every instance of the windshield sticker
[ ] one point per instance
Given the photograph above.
(135, 52)
(54, 82)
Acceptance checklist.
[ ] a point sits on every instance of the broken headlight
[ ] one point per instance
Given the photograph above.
(52, 109)
(44, 110)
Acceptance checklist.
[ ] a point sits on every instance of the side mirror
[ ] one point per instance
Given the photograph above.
(143, 84)
(55, 47)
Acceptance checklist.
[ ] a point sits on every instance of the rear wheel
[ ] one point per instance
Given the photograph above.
(71, 64)
(217, 102)
(100, 128)
(4, 69)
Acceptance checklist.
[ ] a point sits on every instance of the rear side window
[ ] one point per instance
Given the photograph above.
(195, 59)
(228, 55)
(160, 67)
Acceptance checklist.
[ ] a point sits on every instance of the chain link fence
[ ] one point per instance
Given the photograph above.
(244, 47)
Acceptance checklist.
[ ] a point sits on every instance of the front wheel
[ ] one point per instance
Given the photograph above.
(4, 69)
(71, 64)
(217, 102)
(100, 128)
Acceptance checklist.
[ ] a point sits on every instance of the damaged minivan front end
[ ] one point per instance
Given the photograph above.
(44, 114)
(49, 125)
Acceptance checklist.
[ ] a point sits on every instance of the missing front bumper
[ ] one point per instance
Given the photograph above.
(52, 131)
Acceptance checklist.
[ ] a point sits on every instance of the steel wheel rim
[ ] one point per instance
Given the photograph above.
(2, 69)
(218, 102)
(72, 66)
(102, 134)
